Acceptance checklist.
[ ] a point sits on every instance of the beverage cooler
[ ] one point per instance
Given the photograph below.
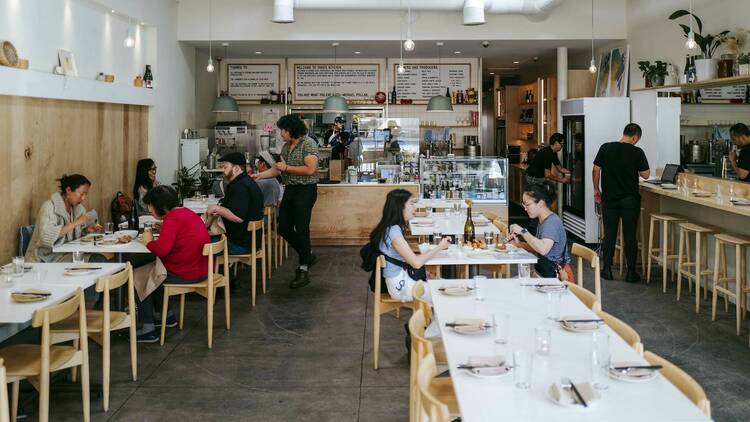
(587, 124)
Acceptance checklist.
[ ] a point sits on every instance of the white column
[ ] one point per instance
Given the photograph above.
(562, 94)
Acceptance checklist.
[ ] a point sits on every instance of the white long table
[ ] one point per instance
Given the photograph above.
(450, 224)
(441, 203)
(499, 400)
(489, 257)
(199, 206)
(136, 246)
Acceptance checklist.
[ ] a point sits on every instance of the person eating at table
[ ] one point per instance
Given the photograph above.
(145, 179)
(550, 242)
(62, 218)
(179, 248)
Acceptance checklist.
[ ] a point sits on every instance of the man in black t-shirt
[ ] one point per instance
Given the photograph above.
(618, 165)
(741, 162)
(541, 166)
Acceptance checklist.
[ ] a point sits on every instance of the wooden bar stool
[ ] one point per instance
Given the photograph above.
(697, 269)
(721, 284)
(664, 253)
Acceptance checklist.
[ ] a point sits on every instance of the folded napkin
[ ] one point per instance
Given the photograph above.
(580, 325)
(422, 220)
(565, 395)
(30, 295)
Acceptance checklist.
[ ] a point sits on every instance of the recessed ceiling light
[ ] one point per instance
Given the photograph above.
(113, 10)
(225, 44)
(258, 52)
(516, 62)
(492, 73)
(356, 52)
(456, 52)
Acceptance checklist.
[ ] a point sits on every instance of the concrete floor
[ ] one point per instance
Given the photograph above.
(306, 355)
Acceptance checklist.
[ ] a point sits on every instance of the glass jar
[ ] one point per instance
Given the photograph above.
(726, 65)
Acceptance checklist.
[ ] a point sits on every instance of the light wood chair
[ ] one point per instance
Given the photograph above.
(698, 269)
(35, 363)
(721, 281)
(623, 330)
(269, 214)
(430, 408)
(206, 288)
(504, 269)
(251, 259)
(582, 253)
(665, 253)
(684, 382)
(101, 323)
(382, 303)
(4, 411)
(589, 299)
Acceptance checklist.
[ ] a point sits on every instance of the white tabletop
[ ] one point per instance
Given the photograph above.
(61, 286)
(499, 400)
(136, 246)
(460, 256)
(199, 206)
(440, 203)
(450, 224)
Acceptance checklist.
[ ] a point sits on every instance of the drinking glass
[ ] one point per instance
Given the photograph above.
(731, 191)
(718, 193)
(18, 262)
(211, 197)
(109, 228)
(524, 272)
(553, 304)
(478, 281)
(6, 280)
(78, 257)
(500, 327)
(489, 238)
(40, 275)
(456, 208)
(436, 236)
(599, 360)
(542, 340)
(523, 363)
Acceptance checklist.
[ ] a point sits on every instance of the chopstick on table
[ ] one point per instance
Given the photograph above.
(578, 395)
(82, 268)
(580, 320)
(627, 368)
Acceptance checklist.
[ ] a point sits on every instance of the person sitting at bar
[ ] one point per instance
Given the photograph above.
(550, 242)
(545, 160)
(145, 179)
(272, 188)
(179, 248)
(740, 162)
(63, 218)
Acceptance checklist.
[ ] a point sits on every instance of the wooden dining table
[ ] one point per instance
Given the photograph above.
(498, 399)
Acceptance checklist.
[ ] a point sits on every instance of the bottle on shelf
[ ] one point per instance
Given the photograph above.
(526, 98)
(289, 95)
(686, 71)
(453, 97)
(148, 77)
(693, 73)
(468, 225)
(393, 95)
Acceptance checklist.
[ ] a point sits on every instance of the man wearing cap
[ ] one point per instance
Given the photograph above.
(242, 203)
(333, 136)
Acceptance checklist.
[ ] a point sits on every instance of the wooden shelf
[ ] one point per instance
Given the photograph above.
(711, 83)
(450, 126)
(527, 105)
(526, 123)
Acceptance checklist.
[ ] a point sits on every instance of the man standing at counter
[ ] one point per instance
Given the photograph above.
(740, 162)
(618, 165)
(541, 166)
(299, 172)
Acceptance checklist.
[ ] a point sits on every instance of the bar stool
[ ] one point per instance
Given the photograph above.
(665, 253)
(694, 270)
(721, 284)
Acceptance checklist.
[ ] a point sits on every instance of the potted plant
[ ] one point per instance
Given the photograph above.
(187, 184)
(654, 74)
(744, 61)
(705, 67)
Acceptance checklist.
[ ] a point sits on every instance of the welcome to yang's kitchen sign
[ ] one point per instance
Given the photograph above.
(316, 82)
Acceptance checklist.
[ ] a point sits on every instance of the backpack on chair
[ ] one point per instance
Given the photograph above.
(121, 205)
(369, 257)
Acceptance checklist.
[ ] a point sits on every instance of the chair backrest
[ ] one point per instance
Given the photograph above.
(583, 253)
(254, 226)
(589, 299)
(4, 407)
(24, 237)
(417, 292)
(379, 265)
(105, 284)
(490, 215)
(502, 227)
(56, 313)
(623, 330)
(211, 249)
(684, 382)
(434, 409)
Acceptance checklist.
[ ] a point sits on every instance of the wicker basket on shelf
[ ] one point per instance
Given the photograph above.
(8, 54)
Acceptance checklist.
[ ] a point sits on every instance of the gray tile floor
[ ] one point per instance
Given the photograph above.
(306, 355)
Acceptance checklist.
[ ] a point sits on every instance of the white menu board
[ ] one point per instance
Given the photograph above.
(252, 81)
(316, 82)
(422, 81)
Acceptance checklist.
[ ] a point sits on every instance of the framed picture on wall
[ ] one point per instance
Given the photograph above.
(68, 62)
(618, 73)
(602, 78)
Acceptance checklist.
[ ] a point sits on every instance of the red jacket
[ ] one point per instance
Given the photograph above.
(180, 244)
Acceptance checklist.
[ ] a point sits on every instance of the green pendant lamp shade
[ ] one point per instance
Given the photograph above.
(335, 104)
(440, 103)
(225, 103)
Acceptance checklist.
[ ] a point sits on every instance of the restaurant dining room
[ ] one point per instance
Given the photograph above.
(374, 210)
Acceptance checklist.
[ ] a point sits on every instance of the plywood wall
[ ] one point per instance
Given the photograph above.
(41, 139)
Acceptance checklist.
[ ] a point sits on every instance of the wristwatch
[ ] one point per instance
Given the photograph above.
(524, 231)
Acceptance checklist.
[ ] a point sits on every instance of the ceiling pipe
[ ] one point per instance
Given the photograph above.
(474, 12)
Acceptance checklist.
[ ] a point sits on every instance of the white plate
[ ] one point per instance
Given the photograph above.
(477, 326)
(579, 327)
(668, 186)
(497, 366)
(647, 375)
(551, 288)
(567, 398)
(456, 290)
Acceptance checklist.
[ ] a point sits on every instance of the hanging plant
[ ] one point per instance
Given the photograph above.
(708, 43)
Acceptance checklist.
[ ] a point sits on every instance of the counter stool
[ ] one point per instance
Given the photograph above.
(721, 284)
(664, 253)
(695, 270)
(269, 218)
(619, 256)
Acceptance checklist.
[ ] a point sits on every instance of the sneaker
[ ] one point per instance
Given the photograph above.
(171, 321)
(301, 279)
(150, 337)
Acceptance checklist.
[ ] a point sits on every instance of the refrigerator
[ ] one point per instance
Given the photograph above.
(587, 124)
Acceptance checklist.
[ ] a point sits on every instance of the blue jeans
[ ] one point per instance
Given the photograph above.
(232, 248)
(146, 306)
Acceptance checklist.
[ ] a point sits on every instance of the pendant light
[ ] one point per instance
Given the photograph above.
(690, 43)
(409, 43)
(210, 65)
(401, 68)
(592, 66)
(224, 103)
(335, 103)
(129, 40)
(439, 102)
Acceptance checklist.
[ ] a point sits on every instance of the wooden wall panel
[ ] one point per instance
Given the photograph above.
(101, 141)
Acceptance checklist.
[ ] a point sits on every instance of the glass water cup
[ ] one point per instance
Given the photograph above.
(40, 275)
(599, 360)
(500, 327)
(523, 363)
(542, 341)
(478, 284)
(489, 238)
(78, 258)
(553, 304)
(524, 272)
(436, 236)
(6, 280)
(109, 228)
(18, 262)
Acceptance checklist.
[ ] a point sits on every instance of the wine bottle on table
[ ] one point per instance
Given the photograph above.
(469, 224)
(133, 222)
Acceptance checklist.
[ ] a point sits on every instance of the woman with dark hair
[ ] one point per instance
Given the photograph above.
(179, 248)
(62, 219)
(388, 238)
(299, 172)
(145, 179)
(550, 242)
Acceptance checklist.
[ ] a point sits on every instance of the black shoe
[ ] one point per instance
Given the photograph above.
(301, 279)
(313, 261)
(606, 273)
(633, 277)
(171, 321)
(150, 337)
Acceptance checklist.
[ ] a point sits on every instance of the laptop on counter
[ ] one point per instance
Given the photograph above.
(668, 176)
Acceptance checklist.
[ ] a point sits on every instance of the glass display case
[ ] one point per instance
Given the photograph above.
(482, 179)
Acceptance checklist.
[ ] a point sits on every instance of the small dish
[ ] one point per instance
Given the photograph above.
(633, 375)
(456, 290)
(564, 396)
(471, 326)
(544, 288)
(486, 366)
(579, 327)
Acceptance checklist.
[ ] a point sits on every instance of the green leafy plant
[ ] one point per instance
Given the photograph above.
(187, 183)
(743, 58)
(653, 72)
(708, 43)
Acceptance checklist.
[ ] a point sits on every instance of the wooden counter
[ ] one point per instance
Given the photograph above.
(707, 184)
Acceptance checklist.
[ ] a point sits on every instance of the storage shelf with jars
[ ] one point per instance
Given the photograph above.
(482, 180)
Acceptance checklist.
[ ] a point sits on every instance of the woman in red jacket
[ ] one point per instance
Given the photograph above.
(179, 247)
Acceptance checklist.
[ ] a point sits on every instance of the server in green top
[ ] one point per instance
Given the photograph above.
(540, 167)
(299, 172)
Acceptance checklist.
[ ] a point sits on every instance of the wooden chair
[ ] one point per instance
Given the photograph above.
(430, 408)
(251, 259)
(101, 323)
(589, 299)
(623, 330)
(417, 292)
(684, 382)
(500, 269)
(382, 303)
(206, 288)
(268, 215)
(35, 362)
(4, 411)
(582, 253)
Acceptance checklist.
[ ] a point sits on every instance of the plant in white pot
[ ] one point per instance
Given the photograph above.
(705, 67)
(744, 63)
